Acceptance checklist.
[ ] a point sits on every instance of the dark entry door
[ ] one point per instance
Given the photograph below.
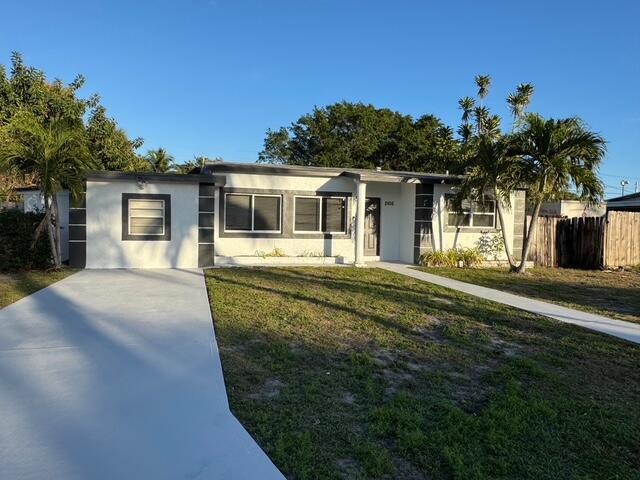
(372, 227)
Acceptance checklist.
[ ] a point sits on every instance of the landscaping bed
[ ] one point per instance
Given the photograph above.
(15, 285)
(363, 373)
(615, 294)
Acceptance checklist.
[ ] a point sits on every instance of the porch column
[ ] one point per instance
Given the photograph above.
(361, 196)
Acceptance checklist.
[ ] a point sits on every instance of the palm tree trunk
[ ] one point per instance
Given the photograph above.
(527, 241)
(48, 217)
(58, 237)
(504, 233)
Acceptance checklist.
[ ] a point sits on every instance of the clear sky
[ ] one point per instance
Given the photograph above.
(208, 77)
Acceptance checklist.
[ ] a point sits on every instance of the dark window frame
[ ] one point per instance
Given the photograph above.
(321, 219)
(166, 198)
(252, 207)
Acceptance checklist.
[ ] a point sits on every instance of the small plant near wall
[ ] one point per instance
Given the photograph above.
(462, 257)
(276, 252)
(491, 246)
(311, 253)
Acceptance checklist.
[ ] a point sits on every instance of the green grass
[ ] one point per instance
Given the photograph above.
(14, 286)
(610, 293)
(363, 373)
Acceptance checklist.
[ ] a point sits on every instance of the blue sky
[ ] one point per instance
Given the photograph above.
(208, 77)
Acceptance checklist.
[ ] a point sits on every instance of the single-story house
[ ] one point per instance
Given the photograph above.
(626, 203)
(240, 214)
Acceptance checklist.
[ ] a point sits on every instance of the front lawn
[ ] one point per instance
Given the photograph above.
(363, 373)
(14, 286)
(613, 294)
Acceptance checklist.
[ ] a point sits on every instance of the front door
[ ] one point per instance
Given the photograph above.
(372, 227)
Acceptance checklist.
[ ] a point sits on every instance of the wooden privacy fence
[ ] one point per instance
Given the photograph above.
(610, 241)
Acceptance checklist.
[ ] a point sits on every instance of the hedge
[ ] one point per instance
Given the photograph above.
(17, 251)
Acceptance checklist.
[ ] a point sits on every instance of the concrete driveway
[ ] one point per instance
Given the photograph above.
(116, 374)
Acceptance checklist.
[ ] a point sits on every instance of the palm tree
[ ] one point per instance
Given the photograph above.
(556, 154)
(493, 170)
(519, 101)
(159, 160)
(56, 155)
(483, 82)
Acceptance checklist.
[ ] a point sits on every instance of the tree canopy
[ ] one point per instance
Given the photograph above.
(26, 89)
(363, 136)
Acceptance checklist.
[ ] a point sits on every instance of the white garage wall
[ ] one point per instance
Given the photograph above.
(105, 247)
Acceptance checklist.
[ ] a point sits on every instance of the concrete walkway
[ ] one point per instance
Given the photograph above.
(617, 328)
(116, 374)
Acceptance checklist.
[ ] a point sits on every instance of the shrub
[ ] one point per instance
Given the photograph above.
(276, 252)
(469, 257)
(490, 246)
(438, 259)
(17, 251)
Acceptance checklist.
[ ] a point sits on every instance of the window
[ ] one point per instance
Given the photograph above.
(146, 216)
(307, 214)
(252, 213)
(472, 214)
(320, 214)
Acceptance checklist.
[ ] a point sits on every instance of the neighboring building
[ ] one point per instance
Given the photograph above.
(626, 203)
(236, 213)
(572, 208)
(33, 201)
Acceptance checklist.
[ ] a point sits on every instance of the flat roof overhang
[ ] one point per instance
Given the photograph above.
(218, 180)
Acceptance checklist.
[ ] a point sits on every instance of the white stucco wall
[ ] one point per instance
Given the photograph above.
(445, 237)
(105, 247)
(396, 234)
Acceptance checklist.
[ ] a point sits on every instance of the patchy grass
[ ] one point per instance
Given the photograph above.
(609, 293)
(14, 286)
(363, 373)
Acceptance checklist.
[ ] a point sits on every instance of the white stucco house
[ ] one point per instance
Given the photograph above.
(236, 214)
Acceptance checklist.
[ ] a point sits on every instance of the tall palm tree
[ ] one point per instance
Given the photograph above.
(519, 101)
(556, 154)
(56, 155)
(483, 82)
(494, 172)
(159, 160)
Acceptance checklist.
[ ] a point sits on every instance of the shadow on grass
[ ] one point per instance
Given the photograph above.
(400, 409)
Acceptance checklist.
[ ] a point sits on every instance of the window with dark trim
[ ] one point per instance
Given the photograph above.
(252, 213)
(471, 214)
(146, 216)
(320, 214)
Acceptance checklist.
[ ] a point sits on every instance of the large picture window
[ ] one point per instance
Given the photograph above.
(252, 213)
(315, 214)
(472, 214)
(146, 216)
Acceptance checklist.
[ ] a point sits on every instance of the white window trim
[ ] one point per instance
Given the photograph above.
(302, 232)
(472, 214)
(129, 208)
(253, 212)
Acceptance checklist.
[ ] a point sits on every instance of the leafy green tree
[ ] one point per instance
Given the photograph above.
(159, 161)
(554, 156)
(55, 154)
(27, 89)
(110, 146)
(361, 136)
